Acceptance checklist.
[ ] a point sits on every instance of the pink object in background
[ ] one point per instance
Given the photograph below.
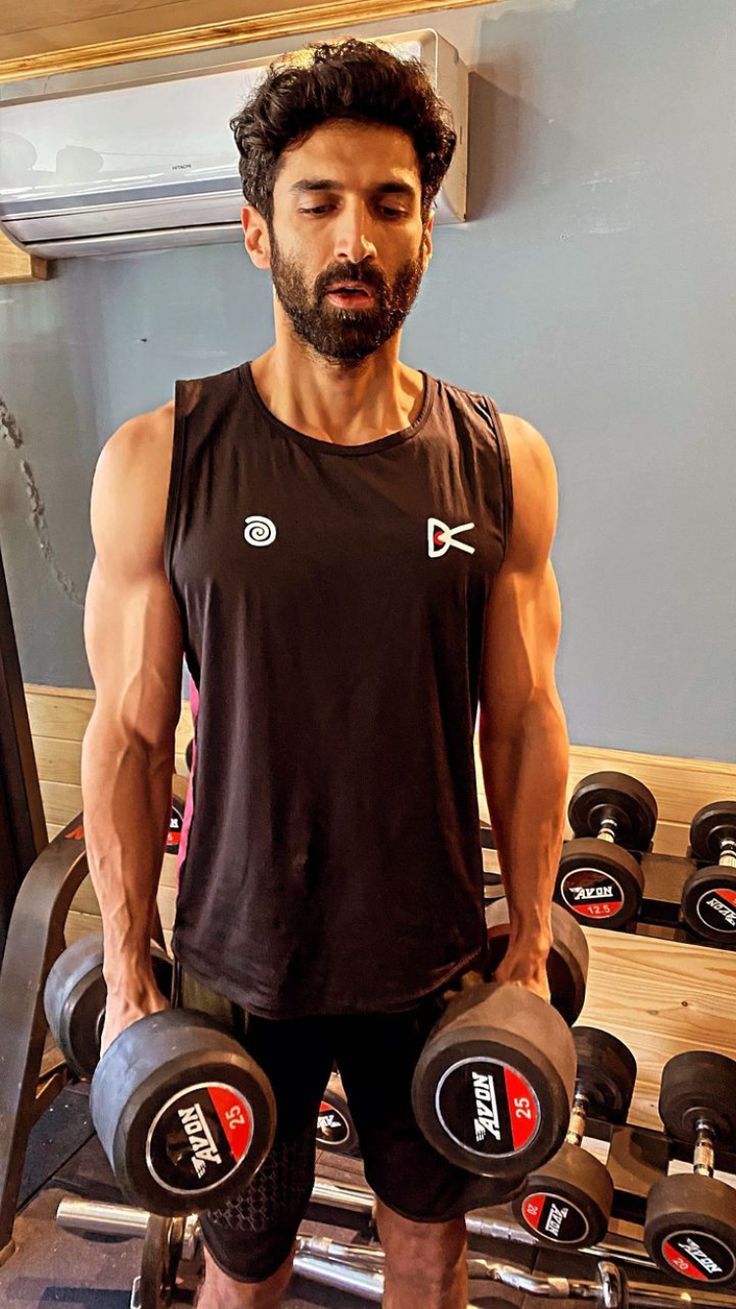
(189, 806)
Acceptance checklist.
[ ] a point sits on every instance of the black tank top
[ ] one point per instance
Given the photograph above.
(332, 599)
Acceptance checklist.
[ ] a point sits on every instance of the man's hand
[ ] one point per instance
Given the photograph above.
(126, 1006)
(521, 966)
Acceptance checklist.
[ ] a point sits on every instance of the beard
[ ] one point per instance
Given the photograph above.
(346, 335)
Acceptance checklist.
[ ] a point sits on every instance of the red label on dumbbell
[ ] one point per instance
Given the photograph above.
(555, 1218)
(199, 1137)
(699, 1256)
(590, 893)
(487, 1107)
(174, 835)
(717, 909)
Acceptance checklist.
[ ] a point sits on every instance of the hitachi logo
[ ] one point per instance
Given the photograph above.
(691, 1248)
(202, 1143)
(486, 1109)
(723, 909)
(555, 1218)
(592, 892)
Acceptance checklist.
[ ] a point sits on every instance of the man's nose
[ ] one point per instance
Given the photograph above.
(354, 238)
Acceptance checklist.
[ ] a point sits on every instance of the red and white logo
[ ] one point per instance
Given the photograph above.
(440, 537)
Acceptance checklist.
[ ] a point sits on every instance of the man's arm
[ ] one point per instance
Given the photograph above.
(522, 736)
(134, 647)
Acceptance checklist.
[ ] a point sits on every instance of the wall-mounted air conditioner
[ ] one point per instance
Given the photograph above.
(153, 164)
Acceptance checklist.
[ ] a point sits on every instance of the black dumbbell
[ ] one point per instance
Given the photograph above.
(599, 879)
(568, 1201)
(709, 894)
(493, 1085)
(75, 996)
(335, 1127)
(183, 1113)
(567, 964)
(690, 1227)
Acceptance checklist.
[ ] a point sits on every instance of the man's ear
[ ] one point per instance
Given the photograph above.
(255, 231)
(427, 238)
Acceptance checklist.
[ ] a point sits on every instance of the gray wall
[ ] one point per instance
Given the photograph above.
(592, 291)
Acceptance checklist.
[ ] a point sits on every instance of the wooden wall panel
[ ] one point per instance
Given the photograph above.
(660, 997)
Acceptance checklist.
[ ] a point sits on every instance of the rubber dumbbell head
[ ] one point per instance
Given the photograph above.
(183, 1114)
(599, 879)
(492, 1087)
(75, 996)
(567, 964)
(568, 1201)
(709, 894)
(690, 1227)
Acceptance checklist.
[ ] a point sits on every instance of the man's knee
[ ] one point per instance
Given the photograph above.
(426, 1250)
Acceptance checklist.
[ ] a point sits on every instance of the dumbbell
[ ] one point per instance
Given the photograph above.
(75, 996)
(493, 1085)
(568, 1201)
(335, 1127)
(183, 1113)
(709, 894)
(690, 1227)
(567, 963)
(599, 879)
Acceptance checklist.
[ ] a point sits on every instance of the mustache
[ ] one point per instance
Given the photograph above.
(341, 276)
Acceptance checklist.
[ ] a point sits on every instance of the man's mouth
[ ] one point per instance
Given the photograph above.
(351, 294)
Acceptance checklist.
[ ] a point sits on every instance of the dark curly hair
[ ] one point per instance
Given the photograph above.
(345, 79)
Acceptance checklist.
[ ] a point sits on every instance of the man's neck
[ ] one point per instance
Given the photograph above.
(343, 406)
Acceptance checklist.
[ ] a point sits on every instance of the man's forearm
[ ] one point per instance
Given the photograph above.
(127, 806)
(525, 777)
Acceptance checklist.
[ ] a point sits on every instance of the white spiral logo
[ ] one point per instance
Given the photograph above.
(259, 530)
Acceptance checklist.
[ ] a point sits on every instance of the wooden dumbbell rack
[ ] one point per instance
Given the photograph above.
(664, 878)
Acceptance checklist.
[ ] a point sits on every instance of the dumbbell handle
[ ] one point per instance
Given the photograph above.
(607, 830)
(727, 857)
(704, 1154)
(578, 1118)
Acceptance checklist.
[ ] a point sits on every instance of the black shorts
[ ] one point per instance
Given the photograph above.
(376, 1054)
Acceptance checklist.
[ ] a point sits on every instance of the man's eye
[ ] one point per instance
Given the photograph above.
(320, 209)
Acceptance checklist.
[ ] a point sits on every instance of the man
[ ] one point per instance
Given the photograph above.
(353, 555)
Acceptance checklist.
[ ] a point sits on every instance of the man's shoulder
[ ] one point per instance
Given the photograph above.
(131, 482)
(528, 449)
(142, 437)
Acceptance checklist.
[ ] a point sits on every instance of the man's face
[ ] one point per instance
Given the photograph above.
(347, 209)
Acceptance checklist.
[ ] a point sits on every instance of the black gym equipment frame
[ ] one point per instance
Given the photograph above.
(23, 833)
(35, 940)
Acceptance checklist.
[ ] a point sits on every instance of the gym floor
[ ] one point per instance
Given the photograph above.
(53, 1266)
